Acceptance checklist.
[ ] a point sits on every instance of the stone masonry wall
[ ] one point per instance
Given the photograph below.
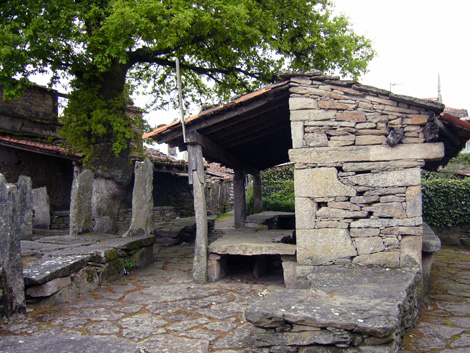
(358, 200)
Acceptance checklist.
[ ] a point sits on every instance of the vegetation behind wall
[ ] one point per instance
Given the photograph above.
(446, 194)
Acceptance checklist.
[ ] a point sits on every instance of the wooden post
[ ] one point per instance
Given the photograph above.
(239, 198)
(197, 178)
(258, 199)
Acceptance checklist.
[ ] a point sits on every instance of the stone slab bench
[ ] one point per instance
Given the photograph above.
(178, 231)
(251, 242)
(273, 219)
(431, 245)
(59, 268)
(346, 309)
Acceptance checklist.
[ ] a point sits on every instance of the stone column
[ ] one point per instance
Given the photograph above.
(197, 178)
(142, 200)
(257, 195)
(106, 202)
(12, 300)
(80, 204)
(239, 198)
(25, 197)
(41, 208)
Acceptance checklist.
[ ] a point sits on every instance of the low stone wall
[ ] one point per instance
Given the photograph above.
(345, 310)
(58, 272)
(457, 235)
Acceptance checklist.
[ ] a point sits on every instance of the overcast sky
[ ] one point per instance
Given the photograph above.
(416, 40)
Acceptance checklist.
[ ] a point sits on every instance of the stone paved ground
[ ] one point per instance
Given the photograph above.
(159, 309)
(156, 309)
(444, 323)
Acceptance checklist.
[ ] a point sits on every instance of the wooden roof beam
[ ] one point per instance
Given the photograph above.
(217, 153)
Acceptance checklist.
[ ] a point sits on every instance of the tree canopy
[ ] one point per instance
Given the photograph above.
(107, 49)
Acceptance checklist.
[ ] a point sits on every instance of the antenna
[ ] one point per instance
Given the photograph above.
(180, 98)
(393, 85)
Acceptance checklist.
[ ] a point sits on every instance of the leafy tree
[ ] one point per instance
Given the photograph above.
(108, 49)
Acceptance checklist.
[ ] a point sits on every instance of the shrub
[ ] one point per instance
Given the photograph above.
(446, 202)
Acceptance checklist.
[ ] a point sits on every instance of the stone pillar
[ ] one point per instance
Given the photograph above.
(41, 208)
(197, 178)
(12, 300)
(239, 198)
(257, 195)
(142, 200)
(25, 197)
(80, 204)
(106, 204)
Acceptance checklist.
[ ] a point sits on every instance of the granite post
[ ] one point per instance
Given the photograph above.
(12, 299)
(142, 200)
(80, 203)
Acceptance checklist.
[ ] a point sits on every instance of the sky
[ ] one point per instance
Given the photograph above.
(416, 41)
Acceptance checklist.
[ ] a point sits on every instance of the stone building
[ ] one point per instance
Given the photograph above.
(358, 154)
(30, 145)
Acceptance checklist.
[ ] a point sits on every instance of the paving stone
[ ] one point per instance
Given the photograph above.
(201, 334)
(241, 337)
(129, 309)
(182, 326)
(223, 326)
(439, 331)
(72, 322)
(103, 328)
(141, 326)
(171, 344)
(97, 314)
(162, 308)
(60, 344)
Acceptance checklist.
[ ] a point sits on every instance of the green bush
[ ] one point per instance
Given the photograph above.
(446, 202)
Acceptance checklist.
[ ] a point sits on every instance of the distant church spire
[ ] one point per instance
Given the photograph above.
(439, 95)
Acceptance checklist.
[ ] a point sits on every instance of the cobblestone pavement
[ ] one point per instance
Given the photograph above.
(156, 309)
(159, 309)
(444, 322)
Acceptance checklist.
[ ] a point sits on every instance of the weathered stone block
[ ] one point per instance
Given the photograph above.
(11, 266)
(407, 177)
(80, 204)
(410, 251)
(393, 209)
(48, 288)
(331, 104)
(142, 200)
(387, 222)
(316, 139)
(370, 140)
(41, 208)
(356, 116)
(426, 151)
(364, 232)
(332, 213)
(320, 182)
(311, 115)
(369, 245)
(414, 201)
(297, 133)
(300, 103)
(25, 207)
(105, 205)
(384, 259)
(305, 210)
(323, 246)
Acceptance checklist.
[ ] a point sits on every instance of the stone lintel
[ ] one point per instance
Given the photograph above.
(426, 151)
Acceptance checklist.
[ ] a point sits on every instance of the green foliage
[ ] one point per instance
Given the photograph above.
(446, 202)
(277, 190)
(224, 47)
(461, 158)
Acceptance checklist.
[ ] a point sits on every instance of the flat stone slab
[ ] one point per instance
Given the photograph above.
(44, 270)
(369, 301)
(431, 242)
(59, 256)
(178, 231)
(60, 344)
(253, 242)
(262, 217)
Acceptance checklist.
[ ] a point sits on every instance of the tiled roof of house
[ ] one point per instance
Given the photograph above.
(219, 170)
(161, 158)
(49, 148)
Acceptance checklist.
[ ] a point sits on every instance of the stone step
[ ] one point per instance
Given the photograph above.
(345, 307)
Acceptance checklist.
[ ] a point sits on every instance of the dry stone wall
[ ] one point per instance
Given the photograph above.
(358, 199)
